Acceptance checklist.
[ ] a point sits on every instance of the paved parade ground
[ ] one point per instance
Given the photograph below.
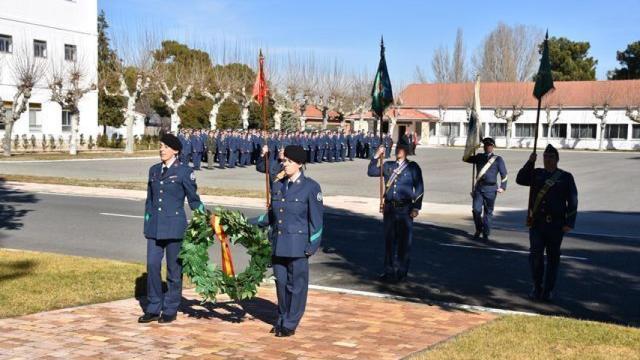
(335, 326)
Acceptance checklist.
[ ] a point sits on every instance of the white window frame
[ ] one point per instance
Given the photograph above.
(33, 111)
(7, 43)
(74, 56)
(42, 45)
(66, 114)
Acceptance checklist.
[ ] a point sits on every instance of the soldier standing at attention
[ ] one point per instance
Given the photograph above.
(170, 182)
(488, 166)
(402, 202)
(211, 149)
(552, 214)
(295, 218)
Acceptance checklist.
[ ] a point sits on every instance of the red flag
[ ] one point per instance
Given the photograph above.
(260, 88)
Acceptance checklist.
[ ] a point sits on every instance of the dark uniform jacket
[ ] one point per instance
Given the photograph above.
(408, 187)
(559, 205)
(165, 217)
(295, 217)
(489, 181)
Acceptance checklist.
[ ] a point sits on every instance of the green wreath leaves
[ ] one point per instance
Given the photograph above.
(209, 279)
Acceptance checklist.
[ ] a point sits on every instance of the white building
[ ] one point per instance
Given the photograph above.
(576, 127)
(54, 31)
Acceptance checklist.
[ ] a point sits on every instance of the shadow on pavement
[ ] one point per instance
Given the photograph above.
(10, 215)
(604, 287)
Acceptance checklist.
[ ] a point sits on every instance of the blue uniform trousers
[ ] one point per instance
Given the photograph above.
(292, 284)
(545, 237)
(158, 301)
(398, 235)
(483, 219)
(232, 158)
(197, 158)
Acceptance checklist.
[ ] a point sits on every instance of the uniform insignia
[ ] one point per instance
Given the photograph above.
(193, 177)
(319, 197)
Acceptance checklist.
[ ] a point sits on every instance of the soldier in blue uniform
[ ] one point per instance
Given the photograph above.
(295, 218)
(185, 153)
(552, 214)
(197, 148)
(388, 144)
(374, 143)
(170, 182)
(351, 145)
(488, 166)
(403, 194)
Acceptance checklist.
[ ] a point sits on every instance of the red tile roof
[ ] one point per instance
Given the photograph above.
(578, 94)
(401, 114)
(312, 112)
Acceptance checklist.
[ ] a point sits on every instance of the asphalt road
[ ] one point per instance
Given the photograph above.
(607, 181)
(599, 279)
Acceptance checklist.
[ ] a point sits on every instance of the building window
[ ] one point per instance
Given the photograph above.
(497, 129)
(635, 133)
(615, 131)
(40, 48)
(432, 129)
(450, 129)
(525, 130)
(557, 131)
(6, 108)
(66, 121)
(583, 131)
(35, 122)
(6, 43)
(70, 52)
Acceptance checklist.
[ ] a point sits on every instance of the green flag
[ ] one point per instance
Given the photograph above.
(544, 80)
(381, 93)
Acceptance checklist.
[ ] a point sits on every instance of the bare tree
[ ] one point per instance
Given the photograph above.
(218, 90)
(441, 65)
(136, 62)
(509, 53)
(552, 100)
(175, 84)
(458, 62)
(632, 98)
(511, 108)
(360, 96)
(395, 107)
(27, 71)
(601, 94)
(68, 86)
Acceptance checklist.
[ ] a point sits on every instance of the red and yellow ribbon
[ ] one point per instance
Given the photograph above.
(225, 247)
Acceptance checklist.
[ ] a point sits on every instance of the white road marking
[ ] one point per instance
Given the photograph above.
(89, 196)
(508, 250)
(123, 215)
(440, 303)
(572, 232)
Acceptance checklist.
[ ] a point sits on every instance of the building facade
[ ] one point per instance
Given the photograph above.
(56, 32)
(573, 116)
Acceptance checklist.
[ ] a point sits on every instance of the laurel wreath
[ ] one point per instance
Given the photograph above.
(208, 278)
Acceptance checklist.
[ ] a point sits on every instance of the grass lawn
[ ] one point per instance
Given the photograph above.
(127, 185)
(540, 337)
(32, 282)
(116, 153)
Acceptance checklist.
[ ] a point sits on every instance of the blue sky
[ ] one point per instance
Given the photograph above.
(349, 30)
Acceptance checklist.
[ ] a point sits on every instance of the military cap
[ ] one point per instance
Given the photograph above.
(295, 153)
(489, 141)
(403, 143)
(551, 150)
(171, 141)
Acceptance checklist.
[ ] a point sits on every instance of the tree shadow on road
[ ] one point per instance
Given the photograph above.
(603, 288)
(11, 210)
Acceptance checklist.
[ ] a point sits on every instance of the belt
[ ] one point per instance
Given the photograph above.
(396, 203)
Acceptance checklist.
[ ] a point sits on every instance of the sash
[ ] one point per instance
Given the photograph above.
(485, 168)
(542, 193)
(394, 175)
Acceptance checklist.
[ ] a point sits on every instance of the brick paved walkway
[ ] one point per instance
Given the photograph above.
(335, 326)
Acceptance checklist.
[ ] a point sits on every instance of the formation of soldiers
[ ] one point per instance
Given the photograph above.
(231, 148)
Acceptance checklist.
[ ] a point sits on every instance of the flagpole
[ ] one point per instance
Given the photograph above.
(544, 83)
(265, 126)
(381, 170)
(535, 148)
